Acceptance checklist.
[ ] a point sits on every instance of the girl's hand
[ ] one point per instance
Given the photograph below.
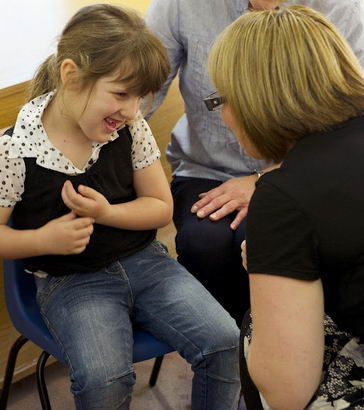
(65, 235)
(85, 202)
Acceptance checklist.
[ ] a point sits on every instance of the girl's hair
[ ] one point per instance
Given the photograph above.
(286, 73)
(103, 40)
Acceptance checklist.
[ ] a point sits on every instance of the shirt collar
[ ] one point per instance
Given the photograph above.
(29, 136)
(29, 133)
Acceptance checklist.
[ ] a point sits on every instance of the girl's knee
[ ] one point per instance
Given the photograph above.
(221, 365)
(94, 388)
(91, 377)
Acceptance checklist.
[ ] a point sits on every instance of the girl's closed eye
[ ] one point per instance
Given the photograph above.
(121, 94)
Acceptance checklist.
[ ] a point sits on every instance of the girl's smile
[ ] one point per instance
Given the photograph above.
(112, 124)
(95, 112)
(105, 108)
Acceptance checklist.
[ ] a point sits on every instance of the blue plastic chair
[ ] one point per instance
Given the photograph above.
(23, 310)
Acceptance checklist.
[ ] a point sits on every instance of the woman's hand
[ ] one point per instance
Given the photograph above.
(243, 255)
(85, 202)
(65, 235)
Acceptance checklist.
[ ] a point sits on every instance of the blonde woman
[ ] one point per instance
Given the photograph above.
(292, 90)
(213, 179)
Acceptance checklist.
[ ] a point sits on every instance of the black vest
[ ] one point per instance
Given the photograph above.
(112, 176)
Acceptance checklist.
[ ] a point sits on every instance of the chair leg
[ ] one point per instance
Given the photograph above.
(13, 354)
(155, 371)
(42, 387)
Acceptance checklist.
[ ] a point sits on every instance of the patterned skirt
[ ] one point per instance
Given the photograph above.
(342, 381)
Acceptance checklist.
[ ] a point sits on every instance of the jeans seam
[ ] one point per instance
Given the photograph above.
(156, 319)
(126, 373)
(129, 286)
(223, 349)
(57, 340)
(210, 352)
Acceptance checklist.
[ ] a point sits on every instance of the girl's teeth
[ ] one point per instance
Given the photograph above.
(111, 122)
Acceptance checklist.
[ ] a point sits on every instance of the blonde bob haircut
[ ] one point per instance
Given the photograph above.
(286, 73)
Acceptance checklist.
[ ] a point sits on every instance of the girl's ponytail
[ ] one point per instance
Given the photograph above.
(45, 79)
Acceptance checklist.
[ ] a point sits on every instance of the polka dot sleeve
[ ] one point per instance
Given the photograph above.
(12, 175)
(144, 149)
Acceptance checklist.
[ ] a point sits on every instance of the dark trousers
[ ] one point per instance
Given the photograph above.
(210, 250)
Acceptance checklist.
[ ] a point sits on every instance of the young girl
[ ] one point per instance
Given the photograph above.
(81, 177)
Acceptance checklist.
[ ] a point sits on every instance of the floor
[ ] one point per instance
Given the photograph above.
(172, 391)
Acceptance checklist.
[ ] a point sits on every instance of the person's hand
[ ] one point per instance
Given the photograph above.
(232, 195)
(243, 255)
(85, 202)
(65, 235)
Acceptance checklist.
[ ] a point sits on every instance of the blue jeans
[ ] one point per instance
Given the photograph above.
(90, 315)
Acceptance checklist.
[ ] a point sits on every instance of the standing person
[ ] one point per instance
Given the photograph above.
(293, 91)
(81, 177)
(207, 162)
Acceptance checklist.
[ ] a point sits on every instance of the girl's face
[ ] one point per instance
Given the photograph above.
(230, 121)
(103, 108)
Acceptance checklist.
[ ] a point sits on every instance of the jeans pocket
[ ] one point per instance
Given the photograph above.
(46, 286)
(159, 247)
(113, 268)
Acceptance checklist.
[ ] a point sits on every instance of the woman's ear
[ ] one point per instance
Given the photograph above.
(69, 72)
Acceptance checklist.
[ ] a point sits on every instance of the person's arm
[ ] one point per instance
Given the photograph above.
(286, 352)
(232, 195)
(62, 236)
(287, 304)
(162, 18)
(153, 206)
(151, 209)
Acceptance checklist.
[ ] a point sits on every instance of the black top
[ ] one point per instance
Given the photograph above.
(112, 176)
(306, 220)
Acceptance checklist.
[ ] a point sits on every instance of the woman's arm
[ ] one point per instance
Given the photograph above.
(286, 353)
(152, 208)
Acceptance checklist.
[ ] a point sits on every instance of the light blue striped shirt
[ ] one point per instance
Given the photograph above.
(201, 145)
